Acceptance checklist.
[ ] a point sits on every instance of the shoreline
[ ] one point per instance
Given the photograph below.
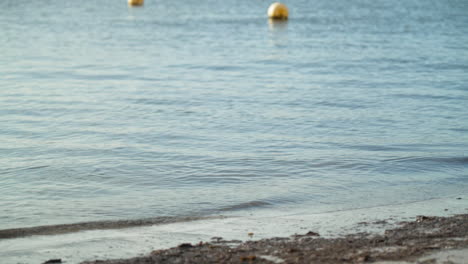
(427, 239)
(125, 243)
(95, 225)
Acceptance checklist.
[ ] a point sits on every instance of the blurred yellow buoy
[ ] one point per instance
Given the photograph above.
(135, 2)
(278, 11)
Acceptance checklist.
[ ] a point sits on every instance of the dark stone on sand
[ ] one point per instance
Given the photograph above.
(248, 258)
(363, 258)
(235, 241)
(185, 245)
(421, 218)
(50, 261)
(311, 233)
(308, 234)
(380, 222)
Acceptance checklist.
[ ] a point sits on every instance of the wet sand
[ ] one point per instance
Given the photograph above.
(98, 225)
(425, 240)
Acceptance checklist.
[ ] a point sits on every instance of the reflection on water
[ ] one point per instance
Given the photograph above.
(278, 32)
(277, 25)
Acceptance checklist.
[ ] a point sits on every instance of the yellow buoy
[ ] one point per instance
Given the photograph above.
(278, 11)
(135, 2)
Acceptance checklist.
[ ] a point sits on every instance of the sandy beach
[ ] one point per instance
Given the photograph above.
(406, 233)
(425, 240)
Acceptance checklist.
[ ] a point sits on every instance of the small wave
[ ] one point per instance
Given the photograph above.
(97, 225)
(354, 105)
(450, 160)
(375, 147)
(215, 67)
(459, 129)
(247, 205)
(429, 97)
(15, 170)
(37, 167)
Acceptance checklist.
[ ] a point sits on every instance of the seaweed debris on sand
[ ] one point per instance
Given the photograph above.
(408, 242)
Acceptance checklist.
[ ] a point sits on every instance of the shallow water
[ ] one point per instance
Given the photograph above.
(196, 108)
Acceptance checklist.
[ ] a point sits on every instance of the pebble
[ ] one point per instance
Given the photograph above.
(50, 261)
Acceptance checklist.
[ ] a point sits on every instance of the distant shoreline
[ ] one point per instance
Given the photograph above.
(410, 242)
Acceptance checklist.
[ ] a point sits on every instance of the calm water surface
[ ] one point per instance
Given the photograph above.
(205, 107)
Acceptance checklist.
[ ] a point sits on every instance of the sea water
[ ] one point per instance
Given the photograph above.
(199, 108)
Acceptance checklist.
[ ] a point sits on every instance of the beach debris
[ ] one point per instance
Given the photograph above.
(50, 261)
(311, 233)
(248, 258)
(220, 240)
(273, 259)
(250, 234)
(185, 245)
(422, 218)
(278, 11)
(308, 234)
(364, 258)
(410, 242)
(216, 239)
(157, 251)
(380, 222)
